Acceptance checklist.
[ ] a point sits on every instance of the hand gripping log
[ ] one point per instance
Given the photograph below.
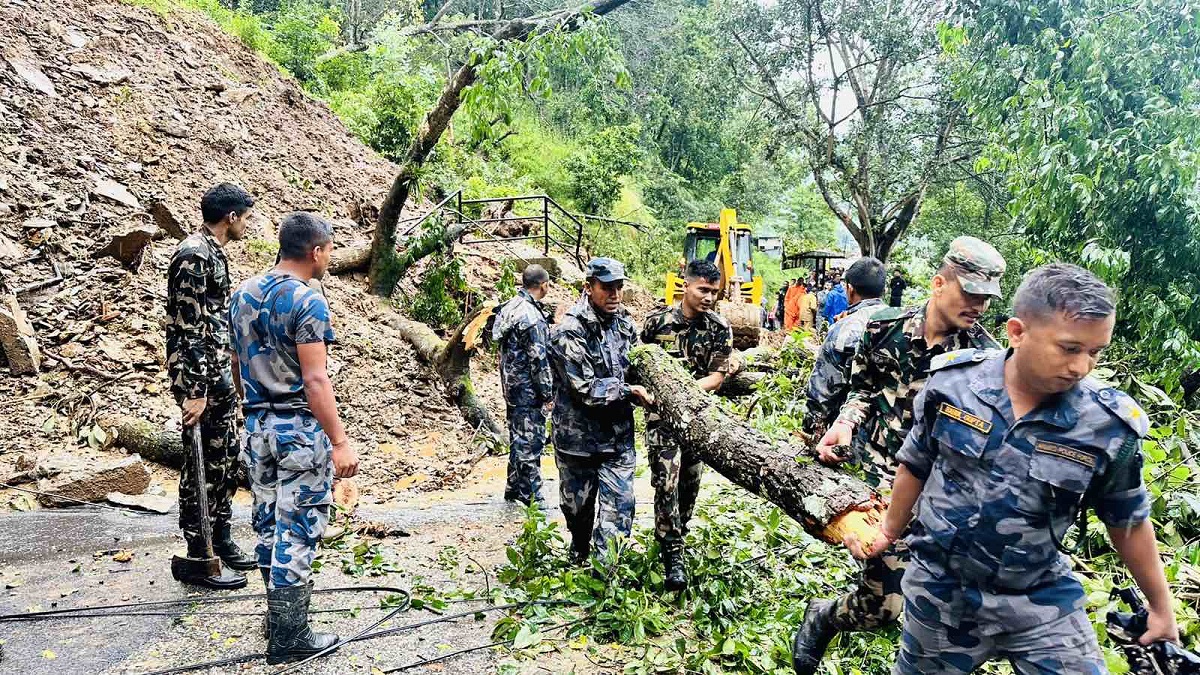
(830, 504)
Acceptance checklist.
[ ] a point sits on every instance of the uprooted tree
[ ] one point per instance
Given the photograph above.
(829, 504)
(385, 268)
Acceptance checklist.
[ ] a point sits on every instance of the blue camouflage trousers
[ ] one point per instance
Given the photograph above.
(526, 439)
(596, 497)
(949, 630)
(290, 463)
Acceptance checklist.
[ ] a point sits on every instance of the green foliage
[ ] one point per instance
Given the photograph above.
(1089, 109)
(506, 287)
(596, 170)
(438, 300)
(301, 32)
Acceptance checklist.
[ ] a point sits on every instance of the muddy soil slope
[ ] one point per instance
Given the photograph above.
(113, 118)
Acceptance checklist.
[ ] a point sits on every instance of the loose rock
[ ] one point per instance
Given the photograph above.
(111, 189)
(17, 338)
(165, 218)
(31, 72)
(152, 503)
(93, 484)
(128, 247)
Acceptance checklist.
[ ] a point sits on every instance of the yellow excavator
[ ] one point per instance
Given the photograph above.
(726, 244)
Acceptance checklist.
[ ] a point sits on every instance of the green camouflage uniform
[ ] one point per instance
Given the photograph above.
(199, 367)
(704, 345)
(889, 369)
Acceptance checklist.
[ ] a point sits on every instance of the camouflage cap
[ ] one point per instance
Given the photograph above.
(979, 266)
(605, 270)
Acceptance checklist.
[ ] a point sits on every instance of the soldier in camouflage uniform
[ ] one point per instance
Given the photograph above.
(201, 379)
(593, 412)
(1006, 448)
(528, 382)
(294, 442)
(831, 372)
(691, 332)
(889, 369)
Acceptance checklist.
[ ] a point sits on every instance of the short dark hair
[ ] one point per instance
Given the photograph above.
(223, 199)
(1066, 289)
(534, 276)
(867, 276)
(702, 269)
(300, 231)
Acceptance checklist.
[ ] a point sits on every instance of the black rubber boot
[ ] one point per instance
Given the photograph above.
(812, 638)
(674, 573)
(229, 552)
(226, 581)
(581, 547)
(291, 638)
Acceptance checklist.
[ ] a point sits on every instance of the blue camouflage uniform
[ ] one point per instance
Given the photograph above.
(593, 424)
(829, 383)
(986, 579)
(528, 383)
(288, 456)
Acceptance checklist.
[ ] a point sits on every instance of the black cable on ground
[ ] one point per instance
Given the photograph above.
(363, 635)
(468, 650)
(197, 600)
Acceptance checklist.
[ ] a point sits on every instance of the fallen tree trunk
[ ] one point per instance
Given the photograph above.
(451, 360)
(154, 443)
(829, 504)
(347, 260)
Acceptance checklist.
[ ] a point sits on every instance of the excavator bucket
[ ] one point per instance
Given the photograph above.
(744, 319)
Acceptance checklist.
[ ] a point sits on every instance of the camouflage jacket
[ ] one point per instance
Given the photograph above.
(704, 345)
(592, 409)
(889, 368)
(523, 335)
(831, 371)
(1000, 491)
(197, 318)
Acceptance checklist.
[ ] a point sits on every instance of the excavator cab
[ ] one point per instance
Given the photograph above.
(727, 245)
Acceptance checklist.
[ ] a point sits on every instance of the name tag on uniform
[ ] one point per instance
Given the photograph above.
(1078, 456)
(959, 415)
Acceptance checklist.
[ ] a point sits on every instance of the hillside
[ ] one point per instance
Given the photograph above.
(103, 97)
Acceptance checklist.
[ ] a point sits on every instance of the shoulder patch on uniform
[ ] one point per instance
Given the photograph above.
(959, 415)
(957, 357)
(1123, 406)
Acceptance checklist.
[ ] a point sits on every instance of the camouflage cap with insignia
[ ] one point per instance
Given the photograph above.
(978, 264)
(605, 270)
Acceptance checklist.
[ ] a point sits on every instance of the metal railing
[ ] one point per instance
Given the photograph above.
(549, 223)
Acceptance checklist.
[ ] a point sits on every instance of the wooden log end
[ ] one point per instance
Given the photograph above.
(864, 524)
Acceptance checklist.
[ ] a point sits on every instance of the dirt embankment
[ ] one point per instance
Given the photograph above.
(114, 118)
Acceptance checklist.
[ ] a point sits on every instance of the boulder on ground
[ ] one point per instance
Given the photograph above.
(128, 247)
(93, 483)
(17, 339)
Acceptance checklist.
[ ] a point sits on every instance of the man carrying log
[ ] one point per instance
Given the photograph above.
(889, 369)
(691, 332)
(831, 372)
(294, 442)
(528, 382)
(201, 377)
(593, 412)
(1007, 450)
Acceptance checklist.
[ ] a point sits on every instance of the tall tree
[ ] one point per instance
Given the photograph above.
(857, 83)
(495, 33)
(1090, 112)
